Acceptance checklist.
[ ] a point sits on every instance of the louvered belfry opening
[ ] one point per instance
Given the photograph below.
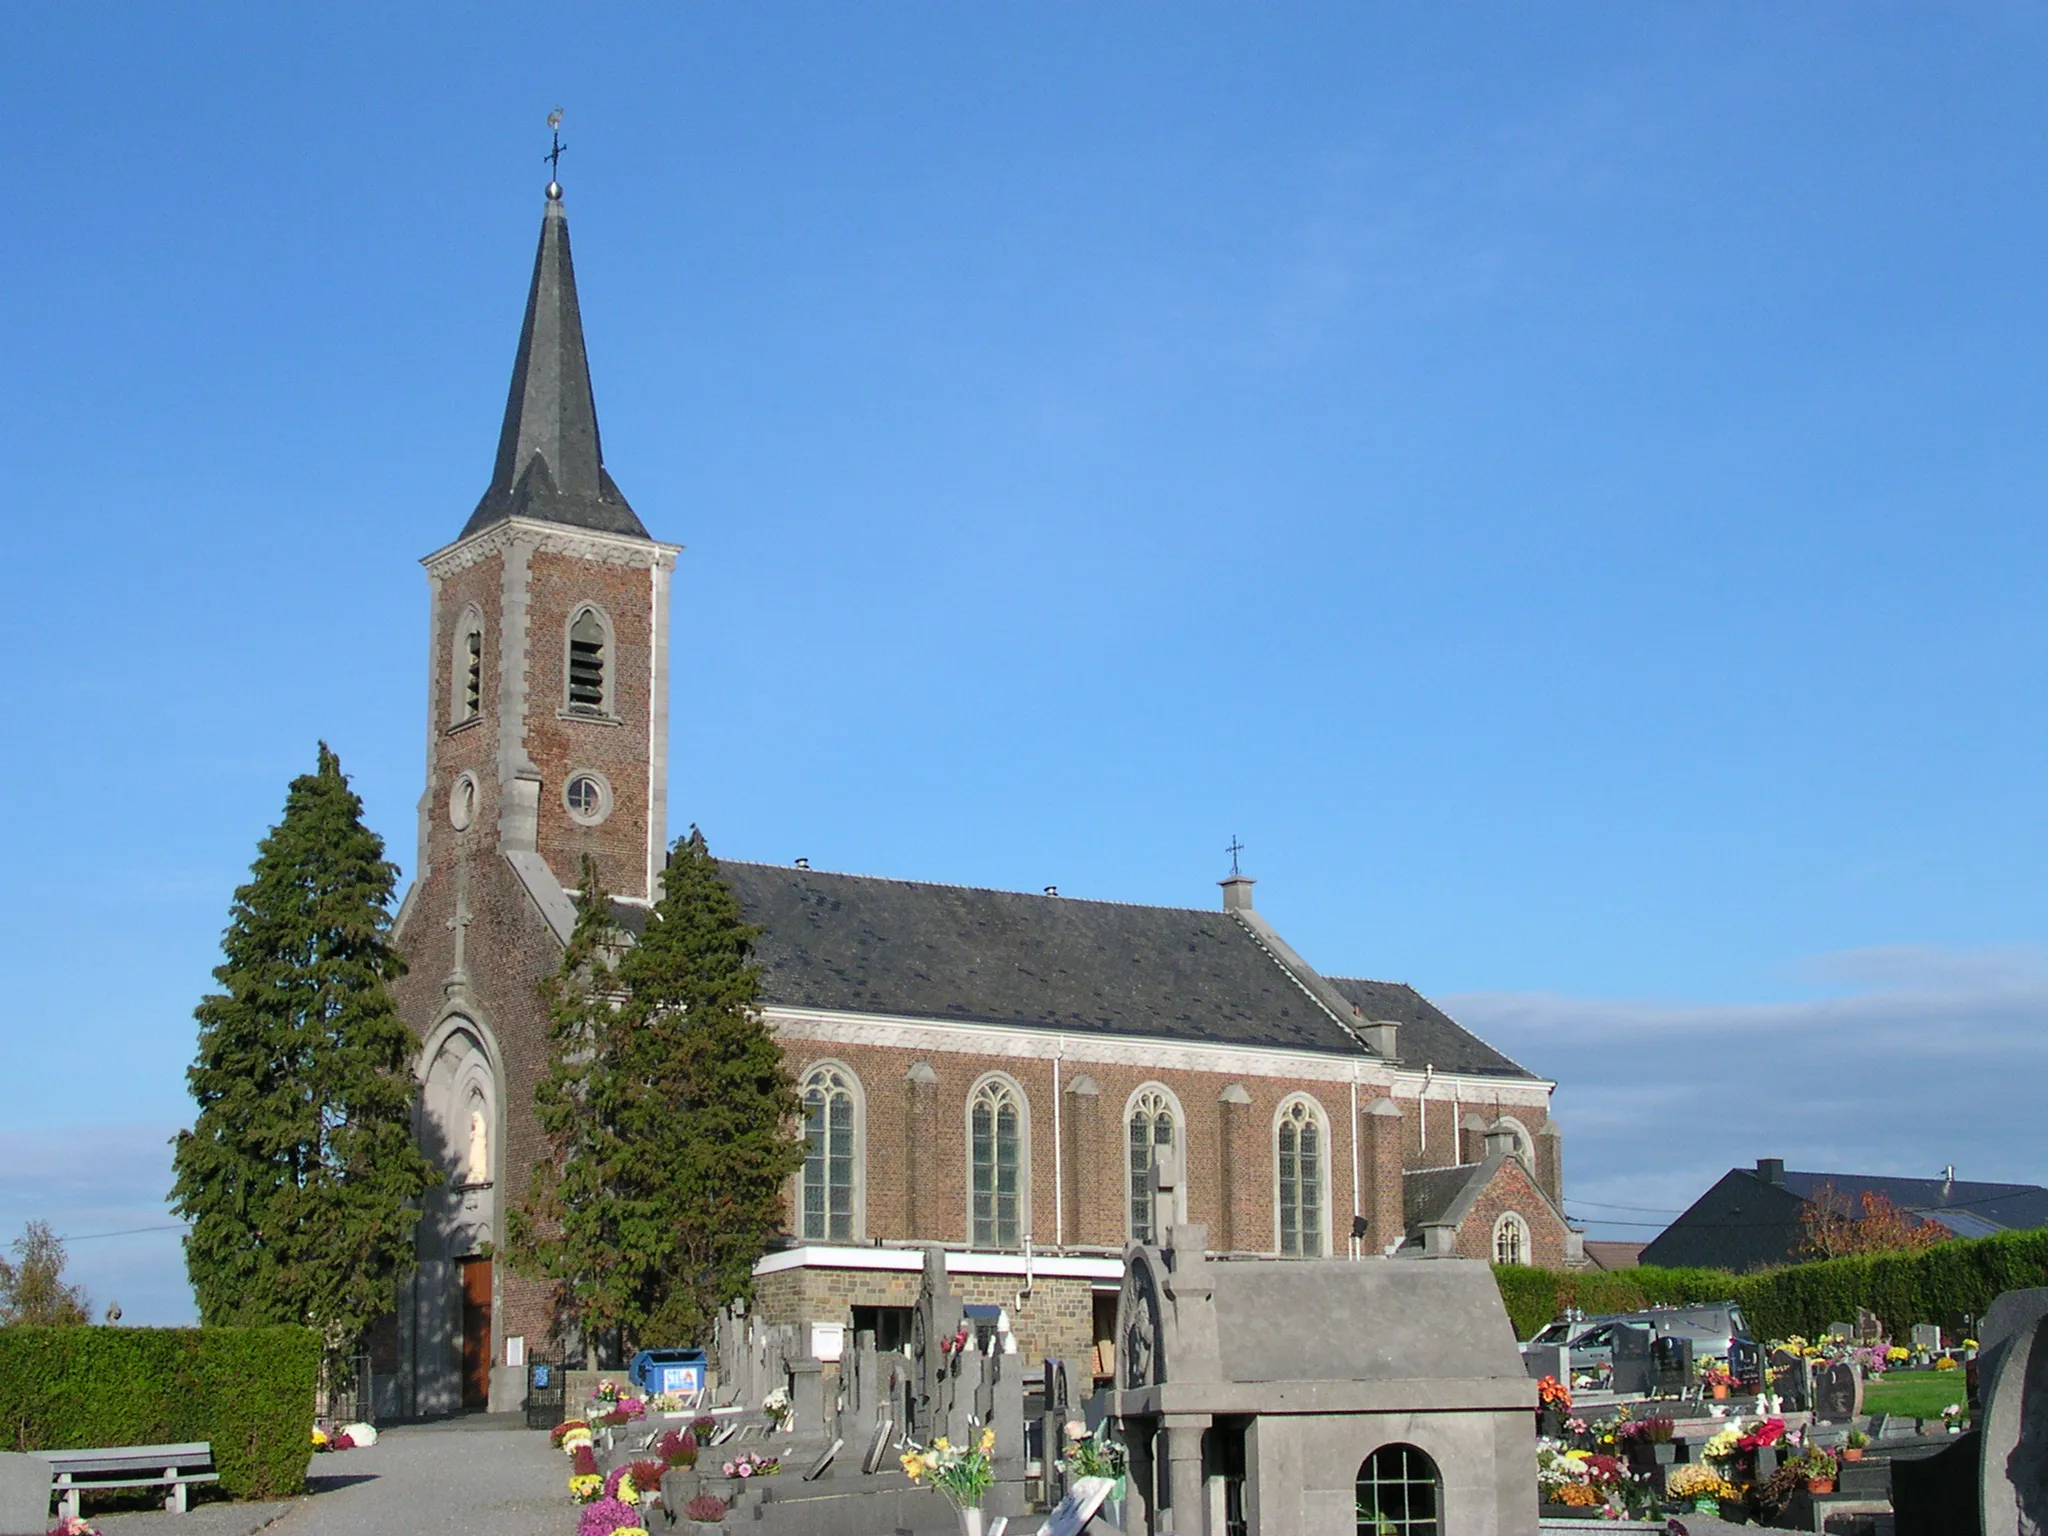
(586, 664)
(473, 687)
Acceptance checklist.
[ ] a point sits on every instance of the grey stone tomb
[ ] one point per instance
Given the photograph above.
(1926, 1336)
(1291, 1389)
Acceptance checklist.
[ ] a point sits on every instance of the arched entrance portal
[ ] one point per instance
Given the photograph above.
(455, 1346)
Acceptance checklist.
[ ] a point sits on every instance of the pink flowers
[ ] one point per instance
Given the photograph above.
(747, 1464)
(606, 1516)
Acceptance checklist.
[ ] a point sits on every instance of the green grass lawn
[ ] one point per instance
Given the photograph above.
(1914, 1394)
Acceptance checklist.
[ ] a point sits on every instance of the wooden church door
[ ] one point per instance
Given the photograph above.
(476, 1333)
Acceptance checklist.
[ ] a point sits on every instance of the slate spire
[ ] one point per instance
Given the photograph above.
(550, 461)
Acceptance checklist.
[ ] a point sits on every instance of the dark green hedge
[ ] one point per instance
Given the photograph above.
(247, 1390)
(1946, 1285)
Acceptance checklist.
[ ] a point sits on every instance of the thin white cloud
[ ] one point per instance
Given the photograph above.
(1928, 1057)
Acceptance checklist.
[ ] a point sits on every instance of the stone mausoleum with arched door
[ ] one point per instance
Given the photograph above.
(993, 1071)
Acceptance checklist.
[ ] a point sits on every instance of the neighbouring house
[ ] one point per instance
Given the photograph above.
(991, 1071)
(1753, 1217)
(1606, 1254)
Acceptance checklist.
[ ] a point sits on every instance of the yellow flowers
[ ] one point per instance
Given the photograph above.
(585, 1486)
(1945, 1363)
(319, 1439)
(1897, 1353)
(1723, 1444)
(988, 1441)
(1698, 1481)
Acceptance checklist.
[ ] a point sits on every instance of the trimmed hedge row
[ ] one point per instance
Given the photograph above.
(247, 1390)
(1944, 1284)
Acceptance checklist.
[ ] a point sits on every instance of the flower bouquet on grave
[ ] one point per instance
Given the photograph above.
(560, 1434)
(1094, 1455)
(1820, 1470)
(632, 1407)
(707, 1509)
(747, 1464)
(677, 1450)
(1700, 1486)
(776, 1406)
(610, 1517)
(606, 1391)
(964, 1476)
(1718, 1379)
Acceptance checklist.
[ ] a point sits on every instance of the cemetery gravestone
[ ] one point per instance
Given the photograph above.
(1927, 1336)
(1632, 1371)
(1746, 1365)
(1868, 1329)
(24, 1493)
(1837, 1392)
(2013, 1486)
(1671, 1364)
(1840, 1331)
(1790, 1381)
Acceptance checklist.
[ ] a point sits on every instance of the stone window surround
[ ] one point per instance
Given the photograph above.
(604, 797)
(1001, 1081)
(1320, 1117)
(854, 1086)
(1180, 1122)
(470, 623)
(1511, 1224)
(608, 712)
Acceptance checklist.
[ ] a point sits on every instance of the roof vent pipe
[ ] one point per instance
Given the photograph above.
(803, 863)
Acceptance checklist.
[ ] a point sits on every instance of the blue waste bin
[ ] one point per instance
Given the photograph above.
(667, 1370)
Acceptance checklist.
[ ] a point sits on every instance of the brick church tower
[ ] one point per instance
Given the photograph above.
(547, 732)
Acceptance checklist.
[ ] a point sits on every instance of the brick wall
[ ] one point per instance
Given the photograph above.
(1056, 1319)
(1512, 1189)
(916, 1143)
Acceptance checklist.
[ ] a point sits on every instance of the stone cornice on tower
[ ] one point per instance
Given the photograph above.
(632, 550)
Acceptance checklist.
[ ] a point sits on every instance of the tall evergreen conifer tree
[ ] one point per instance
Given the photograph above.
(672, 1121)
(300, 1173)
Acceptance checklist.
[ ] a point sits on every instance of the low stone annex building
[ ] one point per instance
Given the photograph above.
(988, 1070)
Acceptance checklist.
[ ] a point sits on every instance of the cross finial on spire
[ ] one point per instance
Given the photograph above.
(1234, 848)
(554, 156)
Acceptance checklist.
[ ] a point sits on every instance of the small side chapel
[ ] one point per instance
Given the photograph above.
(992, 1071)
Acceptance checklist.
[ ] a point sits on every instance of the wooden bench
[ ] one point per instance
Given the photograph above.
(175, 1467)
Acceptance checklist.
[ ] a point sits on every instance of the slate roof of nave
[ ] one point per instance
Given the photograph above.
(1429, 1036)
(864, 944)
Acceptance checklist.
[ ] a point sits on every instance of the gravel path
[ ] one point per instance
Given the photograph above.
(473, 1476)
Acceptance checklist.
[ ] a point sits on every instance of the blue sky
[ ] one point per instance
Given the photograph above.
(1562, 483)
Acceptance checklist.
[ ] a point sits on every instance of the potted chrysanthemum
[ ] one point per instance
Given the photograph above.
(964, 1476)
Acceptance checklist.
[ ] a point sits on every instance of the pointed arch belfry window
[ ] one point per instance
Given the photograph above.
(997, 1140)
(466, 685)
(829, 1211)
(1298, 1147)
(589, 664)
(1152, 1125)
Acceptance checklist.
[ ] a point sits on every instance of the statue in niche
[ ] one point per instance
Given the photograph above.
(479, 1166)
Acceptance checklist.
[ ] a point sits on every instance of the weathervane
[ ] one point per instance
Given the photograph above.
(1234, 848)
(554, 156)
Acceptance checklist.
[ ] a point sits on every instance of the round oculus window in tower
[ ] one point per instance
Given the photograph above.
(588, 797)
(462, 796)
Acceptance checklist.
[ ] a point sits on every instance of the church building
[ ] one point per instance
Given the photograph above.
(991, 1071)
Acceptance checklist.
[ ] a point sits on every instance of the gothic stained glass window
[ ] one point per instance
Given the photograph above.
(1300, 1179)
(1151, 1127)
(996, 1155)
(829, 1169)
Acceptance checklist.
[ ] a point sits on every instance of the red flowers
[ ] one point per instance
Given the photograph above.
(1770, 1432)
(584, 1460)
